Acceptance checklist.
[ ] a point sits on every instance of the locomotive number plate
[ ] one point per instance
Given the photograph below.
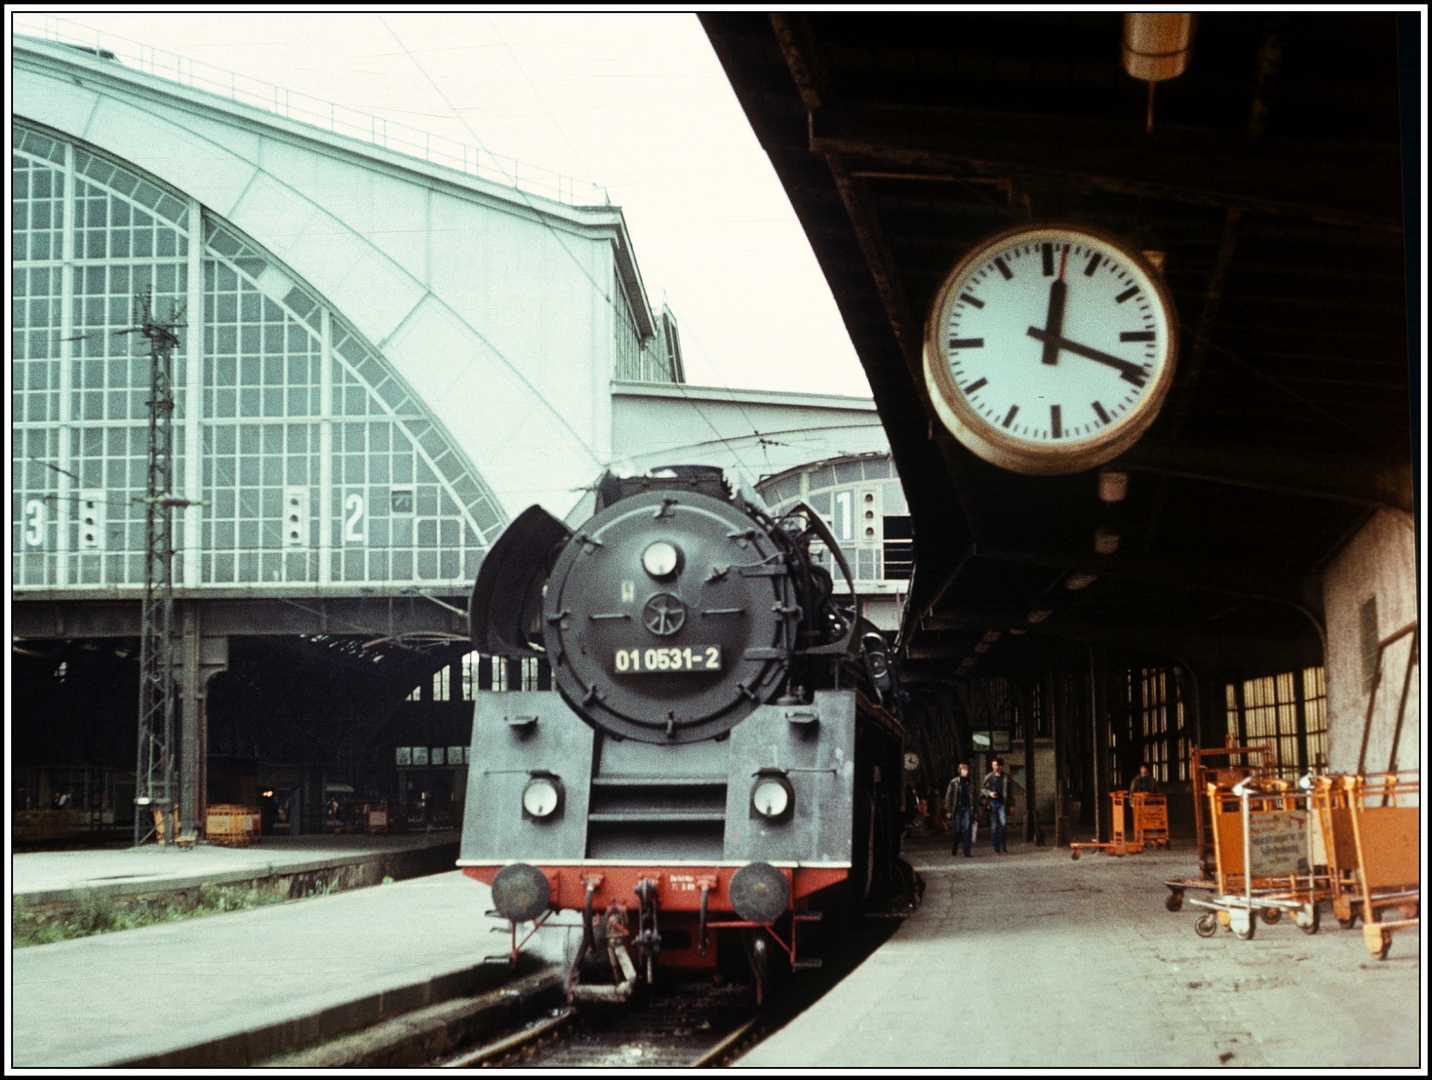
(686, 658)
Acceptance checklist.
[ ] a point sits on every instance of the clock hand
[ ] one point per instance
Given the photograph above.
(1129, 372)
(1054, 324)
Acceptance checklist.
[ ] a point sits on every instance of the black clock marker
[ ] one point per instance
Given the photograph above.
(1009, 416)
(1004, 269)
(1099, 411)
(1132, 290)
(967, 343)
(1137, 335)
(967, 298)
(1048, 250)
(968, 390)
(1093, 265)
(1054, 425)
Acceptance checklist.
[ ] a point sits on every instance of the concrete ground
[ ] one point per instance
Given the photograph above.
(1032, 960)
(290, 970)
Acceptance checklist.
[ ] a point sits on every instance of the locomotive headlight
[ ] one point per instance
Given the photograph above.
(660, 559)
(542, 797)
(771, 796)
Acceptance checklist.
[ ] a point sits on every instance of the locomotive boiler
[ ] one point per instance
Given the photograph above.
(717, 767)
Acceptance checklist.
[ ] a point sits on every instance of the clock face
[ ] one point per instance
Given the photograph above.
(1050, 349)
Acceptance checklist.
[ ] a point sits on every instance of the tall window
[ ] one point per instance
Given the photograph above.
(1287, 711)
(1159, 723)
(1315, 710)
(470, 662)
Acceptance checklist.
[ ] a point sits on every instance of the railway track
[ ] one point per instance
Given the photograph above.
(675, 1024)
(686, 1024)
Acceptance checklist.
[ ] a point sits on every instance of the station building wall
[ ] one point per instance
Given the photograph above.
(751, 433)
(1369, 593)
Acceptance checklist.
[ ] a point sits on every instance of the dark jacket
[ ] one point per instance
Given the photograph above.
(999, 789)
(961, 792)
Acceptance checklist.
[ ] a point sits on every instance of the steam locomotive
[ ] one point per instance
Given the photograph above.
(718, 767)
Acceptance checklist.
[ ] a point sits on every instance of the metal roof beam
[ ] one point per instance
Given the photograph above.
(1363, 481)
(1233, 577)
(1339, 184)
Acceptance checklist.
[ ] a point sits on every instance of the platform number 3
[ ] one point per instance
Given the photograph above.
(353, 528)
(34, 523)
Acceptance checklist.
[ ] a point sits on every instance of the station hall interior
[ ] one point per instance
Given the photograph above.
(1247, 572)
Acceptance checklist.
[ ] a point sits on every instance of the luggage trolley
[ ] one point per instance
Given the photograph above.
(1334, 848)
(1145, 826)
(1150, 819)
(1225, 775)
(1259, 829)
(1118, 843)
(1383, 810)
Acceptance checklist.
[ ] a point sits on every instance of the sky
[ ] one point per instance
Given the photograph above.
(636, 103)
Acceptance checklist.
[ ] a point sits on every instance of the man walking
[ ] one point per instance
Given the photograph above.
(997, 795)
(960, 805)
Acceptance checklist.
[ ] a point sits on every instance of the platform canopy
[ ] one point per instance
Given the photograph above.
(1271, 182)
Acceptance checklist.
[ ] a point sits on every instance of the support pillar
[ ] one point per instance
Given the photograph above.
(1032, 831)
(201, 658)
(1099, 741)
(1057, 725)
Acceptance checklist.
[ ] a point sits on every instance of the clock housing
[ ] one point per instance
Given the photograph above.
(1050, 348)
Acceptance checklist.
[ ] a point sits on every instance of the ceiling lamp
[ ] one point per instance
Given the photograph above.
(1106, 543)
(1038, 617)
(1113, 485)
(1157, 46)
(1079, 581)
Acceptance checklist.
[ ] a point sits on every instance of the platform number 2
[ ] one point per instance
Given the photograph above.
(353, 530)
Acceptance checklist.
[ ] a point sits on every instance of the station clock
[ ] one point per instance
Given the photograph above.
(1050, 348)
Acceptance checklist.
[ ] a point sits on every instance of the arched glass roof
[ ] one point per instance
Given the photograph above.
(282, 403)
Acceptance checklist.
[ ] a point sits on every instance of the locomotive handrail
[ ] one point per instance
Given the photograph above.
(845, 644)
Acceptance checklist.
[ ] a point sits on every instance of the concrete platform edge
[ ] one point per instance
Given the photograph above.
(456, 1005)
(424, 1035)
(404, 864)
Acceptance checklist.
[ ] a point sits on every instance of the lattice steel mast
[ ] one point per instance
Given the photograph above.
(156, 786)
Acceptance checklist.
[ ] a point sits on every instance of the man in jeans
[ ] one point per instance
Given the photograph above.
(960, 805)
(998, 795)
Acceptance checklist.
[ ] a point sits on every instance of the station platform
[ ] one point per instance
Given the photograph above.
(348, 860)
(232, 989)
(1034, 961)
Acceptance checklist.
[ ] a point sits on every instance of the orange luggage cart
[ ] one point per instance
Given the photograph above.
(1150, 819)
(1334, 846)
(1384, 810)
(1223, 766)
(1118, 844)
(1259, 829)
(1145, 826)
